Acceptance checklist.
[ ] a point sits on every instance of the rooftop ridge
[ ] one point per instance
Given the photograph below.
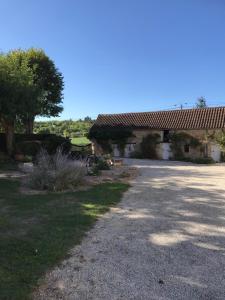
(191, 118)
(159, 111)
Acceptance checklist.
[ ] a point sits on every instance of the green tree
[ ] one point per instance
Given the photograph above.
(201, 103)
(17, 89)
(50, 80)
(87, 119)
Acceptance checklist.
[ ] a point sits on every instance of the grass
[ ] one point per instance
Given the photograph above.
(36, 231)
(80, 141)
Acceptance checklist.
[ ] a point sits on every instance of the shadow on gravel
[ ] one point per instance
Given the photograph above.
(184, 224)
(164, 241)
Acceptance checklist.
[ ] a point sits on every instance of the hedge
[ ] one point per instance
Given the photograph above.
(30, 144)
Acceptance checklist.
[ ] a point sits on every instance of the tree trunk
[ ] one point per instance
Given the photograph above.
(9, 132)
(29, 125)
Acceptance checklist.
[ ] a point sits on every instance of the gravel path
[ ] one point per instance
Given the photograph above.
(165, 240)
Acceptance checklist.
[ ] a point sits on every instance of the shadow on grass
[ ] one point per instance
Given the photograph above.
(37, 231)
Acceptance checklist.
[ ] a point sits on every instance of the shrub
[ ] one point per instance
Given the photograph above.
(199, 160)
(52, 142)
(94, 171)
(102, 165)
(136, 154)
(203, 160)
(105, 135)
(148, 146)
(179, 140)
(30, 148)
(98, 166)
(56, 172)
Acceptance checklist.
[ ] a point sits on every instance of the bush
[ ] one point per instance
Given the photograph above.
(51, 143)
(136, 154)
(199, 160)
(203, 160)
(102, 165)
(30, 148)
(94, 171)
(56, 172)
(29, 142)
(105, 135)
(148, 146)
(179, 140)
(98, 166)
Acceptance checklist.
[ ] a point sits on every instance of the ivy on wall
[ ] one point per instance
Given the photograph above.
(220, 140)
(179, 140)
(148, 146)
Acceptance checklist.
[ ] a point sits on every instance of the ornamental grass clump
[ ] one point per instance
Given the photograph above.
(56, 172)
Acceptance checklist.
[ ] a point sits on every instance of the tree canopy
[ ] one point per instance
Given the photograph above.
(201, 102)
(30, 85)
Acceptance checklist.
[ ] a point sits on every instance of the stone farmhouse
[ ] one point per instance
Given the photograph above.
(174, 129)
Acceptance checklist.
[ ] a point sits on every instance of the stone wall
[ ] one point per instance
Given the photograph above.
(207, 147)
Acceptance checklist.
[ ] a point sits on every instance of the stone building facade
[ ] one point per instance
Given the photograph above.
(202, 124)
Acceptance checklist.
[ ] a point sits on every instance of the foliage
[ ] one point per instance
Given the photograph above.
(102, 165)
(66, 128)
(203, 160)
(109, 133)
(94, 171)
(51, 142)
(105, 135)
(178, 140)
(37, 231)
(220, 139)
(199, 160)
(136, 154)
(148, 146)
(201, 103)
(28, 148)
(30, 144)
(48, 79)
(98, 165)
(56, 172)
(17, 91)
(30, 85)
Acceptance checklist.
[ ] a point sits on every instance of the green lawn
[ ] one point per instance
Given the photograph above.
(80, 141)
(36, 231)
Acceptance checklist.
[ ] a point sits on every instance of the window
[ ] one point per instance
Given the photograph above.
(166, 136)
(186, 148)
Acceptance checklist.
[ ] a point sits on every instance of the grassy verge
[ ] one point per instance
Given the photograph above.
(80, 141)
(36, 231)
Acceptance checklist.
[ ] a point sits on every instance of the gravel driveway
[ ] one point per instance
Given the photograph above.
(165, 240)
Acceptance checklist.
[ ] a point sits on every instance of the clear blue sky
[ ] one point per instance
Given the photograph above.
(124, 55)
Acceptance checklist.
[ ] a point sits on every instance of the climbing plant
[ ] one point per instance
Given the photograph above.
(148, 146)
(220, 140)
(106, 135)
(179, 140)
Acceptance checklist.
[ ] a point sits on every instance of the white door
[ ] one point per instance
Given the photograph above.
(215, 152)
(165, 151)
(129, 148)
(116, 151)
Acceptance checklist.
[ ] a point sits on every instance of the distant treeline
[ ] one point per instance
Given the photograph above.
(66, 128)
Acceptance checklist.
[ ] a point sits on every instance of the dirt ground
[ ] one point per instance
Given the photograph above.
(165, 240)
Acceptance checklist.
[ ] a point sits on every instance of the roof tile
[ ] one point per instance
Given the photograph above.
(198, 118)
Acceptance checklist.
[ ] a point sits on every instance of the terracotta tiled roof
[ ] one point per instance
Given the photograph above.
(198, 118)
